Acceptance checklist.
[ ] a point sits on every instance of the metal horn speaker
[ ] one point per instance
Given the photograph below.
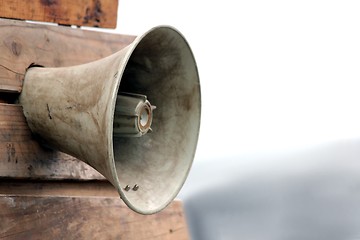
(134, 116)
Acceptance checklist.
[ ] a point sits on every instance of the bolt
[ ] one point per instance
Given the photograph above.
(127, 188)
(136, 187)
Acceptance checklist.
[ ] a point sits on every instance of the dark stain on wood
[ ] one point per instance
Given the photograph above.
(93, 14)
(48, 2)
(11, 152)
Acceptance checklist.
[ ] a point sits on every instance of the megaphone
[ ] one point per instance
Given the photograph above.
(134, 116)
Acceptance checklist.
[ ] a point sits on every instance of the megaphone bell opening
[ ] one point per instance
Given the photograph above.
(158, 67)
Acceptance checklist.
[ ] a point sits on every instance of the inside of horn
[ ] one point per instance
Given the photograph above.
(152, 168)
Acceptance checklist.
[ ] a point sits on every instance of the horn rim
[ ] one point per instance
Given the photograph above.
(113, 95)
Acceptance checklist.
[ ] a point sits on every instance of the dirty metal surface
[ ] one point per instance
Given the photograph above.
(76, 117)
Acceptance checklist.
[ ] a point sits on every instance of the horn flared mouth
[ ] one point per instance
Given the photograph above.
(152, 168)
(103, 114)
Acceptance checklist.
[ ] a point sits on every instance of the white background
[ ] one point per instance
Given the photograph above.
(280, 94)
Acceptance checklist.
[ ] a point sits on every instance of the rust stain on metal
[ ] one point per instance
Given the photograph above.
(16, 48)
(187, 102)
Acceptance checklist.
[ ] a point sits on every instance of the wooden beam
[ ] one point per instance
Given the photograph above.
(85, 218)
(94, 13)
(11, 187)
(80, 211)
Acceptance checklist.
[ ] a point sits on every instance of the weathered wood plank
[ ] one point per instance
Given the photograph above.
(44, 214)
(21, 156)
(85, 218)
(23, 43)
(94, 13)
(57, 188)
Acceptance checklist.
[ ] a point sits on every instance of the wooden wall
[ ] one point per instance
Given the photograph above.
(45, 194)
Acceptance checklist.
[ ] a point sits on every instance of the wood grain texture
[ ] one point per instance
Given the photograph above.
(85, 218)
(23, 43)
(63, 188)
(94, 13)
(21, 156)
(64, 217)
